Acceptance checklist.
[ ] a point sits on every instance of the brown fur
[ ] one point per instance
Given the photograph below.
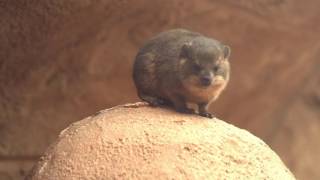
(199, 95)
(179, 67)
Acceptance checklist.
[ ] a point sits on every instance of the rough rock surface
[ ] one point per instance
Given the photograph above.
(140, 142)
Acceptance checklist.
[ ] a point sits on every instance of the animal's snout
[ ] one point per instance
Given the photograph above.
(206, 80)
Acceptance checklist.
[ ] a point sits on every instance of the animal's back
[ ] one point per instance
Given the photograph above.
(168, 43)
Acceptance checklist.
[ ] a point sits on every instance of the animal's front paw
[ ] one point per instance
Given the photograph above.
(206, 114)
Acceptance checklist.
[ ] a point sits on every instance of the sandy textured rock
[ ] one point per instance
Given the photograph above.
(139, 142)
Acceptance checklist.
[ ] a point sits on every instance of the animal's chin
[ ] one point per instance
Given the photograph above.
(205, 87)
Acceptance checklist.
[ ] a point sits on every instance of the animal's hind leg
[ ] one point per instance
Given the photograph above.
(153, 100)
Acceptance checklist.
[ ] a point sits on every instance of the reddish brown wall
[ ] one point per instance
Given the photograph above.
(63, 60)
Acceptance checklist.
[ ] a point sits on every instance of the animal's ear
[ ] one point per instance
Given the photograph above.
(226, 51)
(186, 51)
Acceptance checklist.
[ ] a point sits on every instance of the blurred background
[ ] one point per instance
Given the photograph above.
(61, 61)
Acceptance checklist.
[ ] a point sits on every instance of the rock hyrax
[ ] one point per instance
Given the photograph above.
(178, 66)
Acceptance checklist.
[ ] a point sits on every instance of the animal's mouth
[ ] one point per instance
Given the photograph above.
(205, 82)
(216, 81)
(195, 82)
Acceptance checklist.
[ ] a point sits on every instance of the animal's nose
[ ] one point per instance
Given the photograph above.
(206, 80)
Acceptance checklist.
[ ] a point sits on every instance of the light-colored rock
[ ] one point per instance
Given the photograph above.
(139, 142)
